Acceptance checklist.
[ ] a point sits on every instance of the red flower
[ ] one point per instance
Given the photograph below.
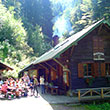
(87, 80)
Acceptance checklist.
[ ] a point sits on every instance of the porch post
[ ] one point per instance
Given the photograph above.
(79, 95)
(102, 95)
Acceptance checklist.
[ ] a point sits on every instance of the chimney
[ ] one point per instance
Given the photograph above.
(55, 40)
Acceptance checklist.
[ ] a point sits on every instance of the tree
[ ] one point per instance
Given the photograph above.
(38, 12)
(13, 6)
(38, 41)
(101, 9)
(81, 15)
(13, 45)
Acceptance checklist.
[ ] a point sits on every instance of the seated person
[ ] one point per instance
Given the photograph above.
(1, 81)
(17, 92)
(4, 88)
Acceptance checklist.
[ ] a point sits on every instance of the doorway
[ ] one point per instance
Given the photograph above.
(41, 72)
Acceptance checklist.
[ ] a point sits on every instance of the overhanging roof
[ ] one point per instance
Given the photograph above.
(5, 67)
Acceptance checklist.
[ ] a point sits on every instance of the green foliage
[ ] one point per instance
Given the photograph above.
(104, 106)
(38, 41)
(81, 15)
(11, 29)
(13, 45)
(4, 49)
(13, 6)
(87, 11)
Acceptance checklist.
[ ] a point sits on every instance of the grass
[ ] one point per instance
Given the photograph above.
(101, 106)
(94, 105)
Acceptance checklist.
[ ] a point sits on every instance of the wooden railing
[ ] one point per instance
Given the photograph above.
(93, 92)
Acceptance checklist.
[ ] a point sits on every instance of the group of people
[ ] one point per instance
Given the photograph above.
(24, 86)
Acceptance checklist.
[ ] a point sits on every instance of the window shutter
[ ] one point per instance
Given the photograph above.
(95, 45)
(103, 69)
(96, 71)
(98, 44)
(80, 70)
(101, 45)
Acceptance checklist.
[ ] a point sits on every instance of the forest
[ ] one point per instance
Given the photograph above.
(28, 26)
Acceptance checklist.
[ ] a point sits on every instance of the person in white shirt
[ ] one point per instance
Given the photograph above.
(42, 84)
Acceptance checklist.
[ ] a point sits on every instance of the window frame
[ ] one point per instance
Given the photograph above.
(87, 75)
(107, 74)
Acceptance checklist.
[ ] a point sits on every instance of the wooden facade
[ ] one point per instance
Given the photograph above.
(81, 63)
(90, 60)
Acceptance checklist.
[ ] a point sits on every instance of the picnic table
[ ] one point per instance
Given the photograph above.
(52, 89)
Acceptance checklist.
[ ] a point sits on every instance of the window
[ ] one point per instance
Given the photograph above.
(87, 69)
(93, 69)
(107, 68)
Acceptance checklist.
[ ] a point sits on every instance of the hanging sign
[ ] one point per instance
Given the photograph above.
(98, 56)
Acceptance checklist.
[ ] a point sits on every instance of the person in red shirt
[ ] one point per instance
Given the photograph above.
(4, 88)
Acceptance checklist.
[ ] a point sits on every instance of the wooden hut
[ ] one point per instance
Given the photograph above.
(80, 61)
(4, 67)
